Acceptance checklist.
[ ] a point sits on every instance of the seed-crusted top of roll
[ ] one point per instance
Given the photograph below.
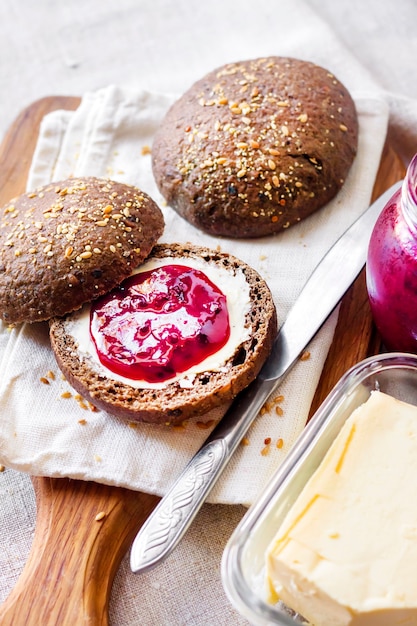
(256, 146)
(69, 242)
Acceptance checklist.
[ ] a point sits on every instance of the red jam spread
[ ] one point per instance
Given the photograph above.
(159, 323)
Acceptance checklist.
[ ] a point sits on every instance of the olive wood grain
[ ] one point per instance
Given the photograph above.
(73, 559)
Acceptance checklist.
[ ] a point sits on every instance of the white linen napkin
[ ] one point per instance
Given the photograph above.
(43, 432)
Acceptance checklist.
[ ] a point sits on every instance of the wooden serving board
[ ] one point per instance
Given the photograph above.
(68, 576)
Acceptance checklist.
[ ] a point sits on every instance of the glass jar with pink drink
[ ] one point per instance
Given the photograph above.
(391, 270)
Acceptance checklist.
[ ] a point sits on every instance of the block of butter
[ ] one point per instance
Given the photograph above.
(346, 553)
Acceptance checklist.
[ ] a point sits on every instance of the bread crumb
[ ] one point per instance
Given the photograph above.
(179, 427)
(146, 150)
(305, 355)
(81, 402)
(245, 441)
(280, 443)
(82, 422)
(2, 468)
(100, 516)
(204, 425)
(266, 450)
(66, 394)
(97, 458)
(44, 380)
(51, 375)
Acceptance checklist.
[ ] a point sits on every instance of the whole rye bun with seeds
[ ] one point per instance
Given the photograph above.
(207, 389)
(69, 242)
(256, 146)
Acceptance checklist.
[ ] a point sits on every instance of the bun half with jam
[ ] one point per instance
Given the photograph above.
(184, 334)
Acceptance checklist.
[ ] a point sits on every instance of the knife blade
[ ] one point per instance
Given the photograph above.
(338, 269)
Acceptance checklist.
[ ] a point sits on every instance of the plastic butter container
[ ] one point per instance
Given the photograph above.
(243, 563)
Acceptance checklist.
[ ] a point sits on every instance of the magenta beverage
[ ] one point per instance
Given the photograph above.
(391, 269)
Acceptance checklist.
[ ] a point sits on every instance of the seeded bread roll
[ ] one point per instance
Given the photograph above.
(175, 402)
(69, 242)
(256, 146)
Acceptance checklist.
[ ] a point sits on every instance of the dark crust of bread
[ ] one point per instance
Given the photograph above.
(174, 404)
(256, 146)
(69, 242)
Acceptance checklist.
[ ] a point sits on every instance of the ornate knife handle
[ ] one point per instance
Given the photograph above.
(171, 519)
(176, 511)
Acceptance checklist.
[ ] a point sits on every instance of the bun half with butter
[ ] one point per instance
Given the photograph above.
(196, 323)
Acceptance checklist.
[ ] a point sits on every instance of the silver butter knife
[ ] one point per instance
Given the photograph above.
(174, 514)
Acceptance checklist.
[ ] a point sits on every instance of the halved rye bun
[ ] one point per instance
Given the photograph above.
(175, 402)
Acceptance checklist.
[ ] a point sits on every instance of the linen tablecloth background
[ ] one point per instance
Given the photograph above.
(163, 47)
